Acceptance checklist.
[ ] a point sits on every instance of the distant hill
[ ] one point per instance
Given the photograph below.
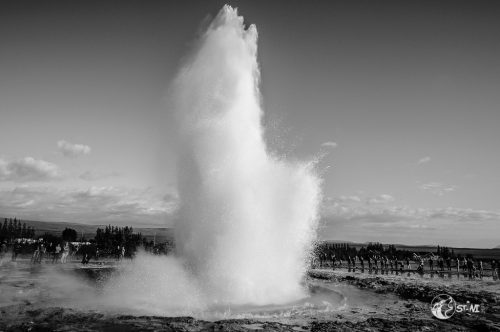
(88, 231)
(497, 247)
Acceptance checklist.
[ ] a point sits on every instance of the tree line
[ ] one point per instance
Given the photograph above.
(344, 250)
(108, 241)
(112, 238)
(14, 229)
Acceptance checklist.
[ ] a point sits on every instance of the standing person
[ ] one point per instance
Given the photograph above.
(57, 252)
(494, 269)
(37, 254)
(65, 253)
(41, 253)
(480, 265)
(458, 265)
(3, 250)
(470, 268)
(408, 266)
(431, 263)
(15, 250)
(420, 267)
(85, 255)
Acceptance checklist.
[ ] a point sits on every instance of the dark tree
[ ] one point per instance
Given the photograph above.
(69, 235)
(51, 238)
(24, 231)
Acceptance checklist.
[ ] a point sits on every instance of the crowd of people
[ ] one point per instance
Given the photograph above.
(18, 239)
(38, 250)
(377, 262)
(48, 252)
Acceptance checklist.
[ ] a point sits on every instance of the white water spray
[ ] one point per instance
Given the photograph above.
(247, 219)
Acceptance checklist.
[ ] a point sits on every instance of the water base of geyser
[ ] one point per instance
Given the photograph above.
(93, 296)
(160, 285)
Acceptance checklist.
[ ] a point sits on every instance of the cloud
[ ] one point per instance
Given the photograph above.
(350, 210)
(93, 176)
(470, 215)
(381, 199)
(352, 198)
(331, 145)
(72, 150)
(350, 220)
(424, 160)
(437, 188)
(92, 205)
(28, 169)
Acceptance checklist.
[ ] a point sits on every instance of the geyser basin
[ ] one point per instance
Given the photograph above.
(50, 286)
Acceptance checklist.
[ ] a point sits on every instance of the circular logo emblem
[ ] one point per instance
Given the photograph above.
(443, 306)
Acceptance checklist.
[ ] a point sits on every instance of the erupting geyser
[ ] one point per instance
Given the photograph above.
(247, 218)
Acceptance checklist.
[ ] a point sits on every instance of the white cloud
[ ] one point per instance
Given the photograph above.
(378, 213)
(93, 176)
(381, 199)
(437, 188)
(424, 160)
(354, 221)
(93, 205)
(463, 214)
(72, 150)
(330, 144)
(352, 198)
(28, 169)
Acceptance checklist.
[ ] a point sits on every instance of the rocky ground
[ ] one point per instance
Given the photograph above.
(417, 292)
(379, 303)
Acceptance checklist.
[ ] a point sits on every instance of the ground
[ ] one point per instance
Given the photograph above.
(372, 302)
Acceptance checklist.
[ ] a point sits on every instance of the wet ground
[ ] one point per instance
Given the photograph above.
(66, 298)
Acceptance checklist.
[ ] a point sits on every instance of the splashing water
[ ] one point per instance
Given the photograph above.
(247, 219)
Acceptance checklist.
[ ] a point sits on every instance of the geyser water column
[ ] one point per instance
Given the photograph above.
(247, 219)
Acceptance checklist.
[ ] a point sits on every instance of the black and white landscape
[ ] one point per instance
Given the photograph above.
(284, 166)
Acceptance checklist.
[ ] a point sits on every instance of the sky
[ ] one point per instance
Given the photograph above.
(399, 100)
